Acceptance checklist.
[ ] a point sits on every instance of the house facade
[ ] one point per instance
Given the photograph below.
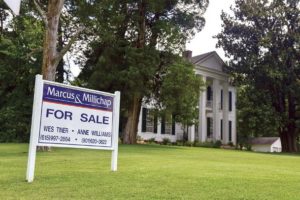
(217, 111)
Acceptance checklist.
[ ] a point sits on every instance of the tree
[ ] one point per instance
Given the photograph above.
(135, 42)
(51, 56)
(179, 92)
(20, 41)
(262, 40)
(255, 114)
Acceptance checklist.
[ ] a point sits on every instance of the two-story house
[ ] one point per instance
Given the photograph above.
(217, 111)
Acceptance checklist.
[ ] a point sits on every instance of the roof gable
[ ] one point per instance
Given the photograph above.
(263, 140)
(210, 60)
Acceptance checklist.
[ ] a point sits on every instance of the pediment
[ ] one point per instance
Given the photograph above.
(209, 60)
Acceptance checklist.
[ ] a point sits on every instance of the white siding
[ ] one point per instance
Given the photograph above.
(276, 146)
(262, 148)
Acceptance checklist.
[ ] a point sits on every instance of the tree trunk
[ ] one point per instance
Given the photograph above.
(289, 141)
(50, 44)
(50, 39)
(289, 134)
(131, 126)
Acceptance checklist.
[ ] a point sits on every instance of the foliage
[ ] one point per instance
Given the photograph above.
(230, 144)
(255, 114)
(262, 41)
(179, 92)
(217, 144)
(19, 62)
(208, 144)
(151, 140)
(166, 141)
(133, 45)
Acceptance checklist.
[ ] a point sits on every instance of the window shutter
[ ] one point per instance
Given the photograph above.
(209, 93)
(221, 99)
(155, 123)
(208, 127)
(163, 123)
(221, 128)
(230, 129)
(230, 101)
(144, 119)
(173, 124)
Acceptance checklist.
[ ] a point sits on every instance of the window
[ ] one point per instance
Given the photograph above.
(209, 127)
(209, 93)
(167, 125)
(230, 131)
(149, 121)
(230, 101)
(221, 106)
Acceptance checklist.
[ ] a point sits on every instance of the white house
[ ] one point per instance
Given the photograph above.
(266, 144)
(217, 111)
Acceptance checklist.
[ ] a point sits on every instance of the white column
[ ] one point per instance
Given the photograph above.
(202, 114)
(234, 122)
(192, 133)
(158, 135)
(216, 116)
(225, 113)
(139, 131)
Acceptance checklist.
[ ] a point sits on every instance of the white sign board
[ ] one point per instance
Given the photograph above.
(68, 116)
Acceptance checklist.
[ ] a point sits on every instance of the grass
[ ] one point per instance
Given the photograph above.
(150, 172)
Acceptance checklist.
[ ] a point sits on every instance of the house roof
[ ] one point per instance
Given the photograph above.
(263, 140)
(210, 60)
(201, 57)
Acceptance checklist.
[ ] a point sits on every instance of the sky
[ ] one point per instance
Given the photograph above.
(203, 41)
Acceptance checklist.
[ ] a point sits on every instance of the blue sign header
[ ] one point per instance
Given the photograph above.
(69, 96)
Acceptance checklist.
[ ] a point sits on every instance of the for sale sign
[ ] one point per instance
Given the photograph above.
(68, 116)
(75, 117)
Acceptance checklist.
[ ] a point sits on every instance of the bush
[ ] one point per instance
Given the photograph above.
(151, 140)
(179, 143)
(166, 141)
(189, 144)
(139, 138)
(217, 144)
(230, 144)
(204, 144)
(248, 147)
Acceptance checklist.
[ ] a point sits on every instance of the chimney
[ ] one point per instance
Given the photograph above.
(187, 55)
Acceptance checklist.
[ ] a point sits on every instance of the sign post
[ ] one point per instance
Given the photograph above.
(74, 117)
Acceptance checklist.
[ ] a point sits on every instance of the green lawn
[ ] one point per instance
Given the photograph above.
(150, 172)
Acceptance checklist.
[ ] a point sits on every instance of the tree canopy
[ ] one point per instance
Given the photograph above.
(262, 41)
(132, 46)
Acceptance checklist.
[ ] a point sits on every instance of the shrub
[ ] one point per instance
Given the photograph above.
(166, 141)
(217, 144)
(248, 147)
(230, 144)
(151, 140)
(204, 144)
(139, 138)
(189, 144)
(179, 143)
